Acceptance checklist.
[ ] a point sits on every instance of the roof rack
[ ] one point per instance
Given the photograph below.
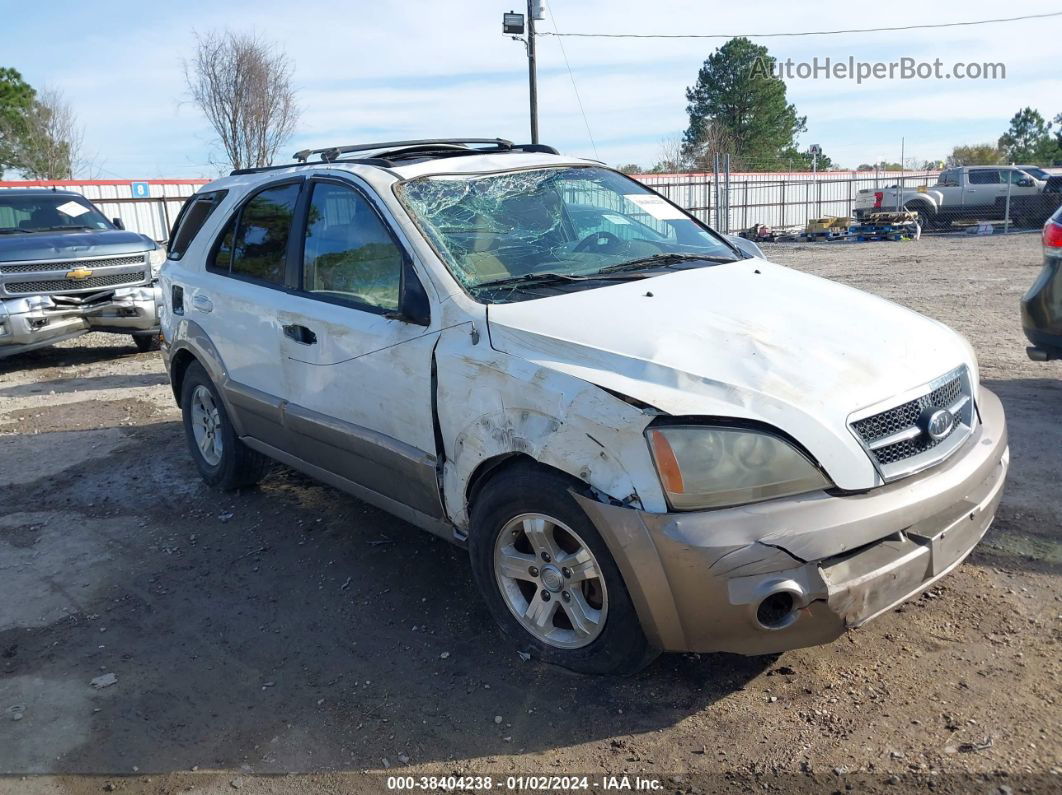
(386, 154)
(329, 154)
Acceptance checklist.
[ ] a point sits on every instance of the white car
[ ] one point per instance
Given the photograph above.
(646, 438)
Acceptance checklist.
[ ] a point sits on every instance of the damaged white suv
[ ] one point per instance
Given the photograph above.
(647, 437)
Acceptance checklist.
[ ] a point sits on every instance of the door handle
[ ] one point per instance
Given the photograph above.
(202, 303)
(300, 334)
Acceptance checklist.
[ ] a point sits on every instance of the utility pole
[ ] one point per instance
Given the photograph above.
(513, 23)
(533, 8)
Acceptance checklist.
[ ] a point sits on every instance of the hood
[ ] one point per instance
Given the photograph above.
(749, 340)
(71, 245)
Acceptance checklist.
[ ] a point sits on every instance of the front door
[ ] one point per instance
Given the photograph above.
(359, 376)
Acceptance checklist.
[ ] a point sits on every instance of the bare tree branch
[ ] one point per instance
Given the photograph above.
(243, 86)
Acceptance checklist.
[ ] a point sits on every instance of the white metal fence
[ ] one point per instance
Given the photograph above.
(145, 206)
(737, 201)
(776, 199)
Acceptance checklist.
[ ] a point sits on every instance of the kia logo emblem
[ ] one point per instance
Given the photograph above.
(938, 423)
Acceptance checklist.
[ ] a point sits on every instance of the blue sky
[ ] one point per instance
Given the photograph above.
(386, 69)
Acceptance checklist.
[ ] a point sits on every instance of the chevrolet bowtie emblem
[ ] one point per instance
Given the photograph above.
(78, 274)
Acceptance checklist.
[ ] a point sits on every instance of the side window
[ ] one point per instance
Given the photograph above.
(193, 215)
(984, 176)
(222, 260)
(254, 242)
(259, 247)
(949, 179)
(348, 252)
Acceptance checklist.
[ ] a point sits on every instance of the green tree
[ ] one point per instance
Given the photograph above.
(738, 99)
(802, 161)
(630, 168)
(975, 155)
(16, 100)
(1028, 140)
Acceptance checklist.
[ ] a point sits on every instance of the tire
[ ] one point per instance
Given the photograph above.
(226, 462)
(532, 497)
(145, 343)
(925, 221)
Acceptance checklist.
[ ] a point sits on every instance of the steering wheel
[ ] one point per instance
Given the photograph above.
(604, 242)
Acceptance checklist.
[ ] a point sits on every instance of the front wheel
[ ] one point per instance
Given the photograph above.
(146, 343)
(548, 577)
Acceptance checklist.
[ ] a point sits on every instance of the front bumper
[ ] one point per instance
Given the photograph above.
(698, 579)
(40, 320)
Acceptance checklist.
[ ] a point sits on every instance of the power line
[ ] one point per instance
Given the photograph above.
(795, 33)
(575, 88)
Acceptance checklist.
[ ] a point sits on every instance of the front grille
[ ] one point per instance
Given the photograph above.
(70, 264)
(93, 282)
(912, 447)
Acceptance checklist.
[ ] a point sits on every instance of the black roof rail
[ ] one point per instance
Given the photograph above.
(392, 151)
(329, 154)
(365, 161)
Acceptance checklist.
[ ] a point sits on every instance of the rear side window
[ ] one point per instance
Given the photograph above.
(984, 177)
(949, 179)
(191, 219)
(255, 242)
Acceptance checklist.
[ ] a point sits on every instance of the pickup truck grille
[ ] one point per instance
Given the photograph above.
(65, 285)
(898, 439)
(66, 265)
(53, 276)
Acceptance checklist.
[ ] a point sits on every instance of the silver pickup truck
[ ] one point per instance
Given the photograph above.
(66, 270)
(964, 193)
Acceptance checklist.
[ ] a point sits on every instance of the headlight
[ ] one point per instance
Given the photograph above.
(155, 259)
(706, 467)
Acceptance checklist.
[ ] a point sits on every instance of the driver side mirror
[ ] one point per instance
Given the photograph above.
(118, 223)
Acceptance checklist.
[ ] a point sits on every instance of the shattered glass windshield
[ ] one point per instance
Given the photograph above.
(577, 222)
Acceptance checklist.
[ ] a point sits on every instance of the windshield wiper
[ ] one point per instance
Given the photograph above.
(658, 260)
(58, 228)
(11, 231)
(539, 279)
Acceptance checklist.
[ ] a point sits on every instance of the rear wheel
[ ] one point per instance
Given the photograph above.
(548, 577)
(221, 458)
(924, 218)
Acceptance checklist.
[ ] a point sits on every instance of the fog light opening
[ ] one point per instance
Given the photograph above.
(777, 611)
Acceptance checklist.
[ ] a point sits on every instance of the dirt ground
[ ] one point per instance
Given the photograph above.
(291, 638)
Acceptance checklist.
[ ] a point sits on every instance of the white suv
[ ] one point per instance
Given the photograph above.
(647, 438)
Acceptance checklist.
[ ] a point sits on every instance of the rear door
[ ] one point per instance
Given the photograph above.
(239, 301)
(359, 371)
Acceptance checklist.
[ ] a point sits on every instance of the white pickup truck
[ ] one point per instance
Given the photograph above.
(964, 193)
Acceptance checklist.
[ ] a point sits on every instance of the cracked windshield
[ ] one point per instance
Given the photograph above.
(509, 236)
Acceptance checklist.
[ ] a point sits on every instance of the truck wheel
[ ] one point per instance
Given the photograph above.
(146, 342)
(222, 459)
(548, 577)
(924, 219)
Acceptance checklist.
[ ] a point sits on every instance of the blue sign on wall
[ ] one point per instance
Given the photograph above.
(141, 190)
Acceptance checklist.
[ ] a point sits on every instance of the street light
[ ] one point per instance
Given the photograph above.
(513, 24)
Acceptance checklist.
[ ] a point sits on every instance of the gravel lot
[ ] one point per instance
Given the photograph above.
(292, 629)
